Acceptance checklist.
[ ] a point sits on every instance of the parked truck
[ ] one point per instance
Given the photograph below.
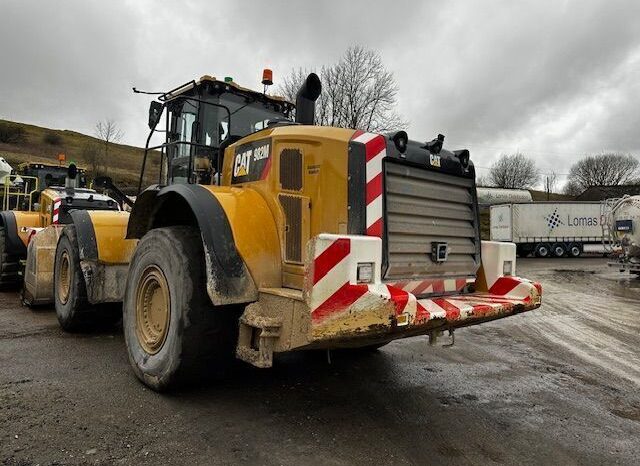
(623, 217)
(549, 229)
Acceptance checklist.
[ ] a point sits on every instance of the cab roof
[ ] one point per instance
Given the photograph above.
(77, 193)
(228, 85)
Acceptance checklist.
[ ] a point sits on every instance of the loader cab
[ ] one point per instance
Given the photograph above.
(201, 119)
(50, 175)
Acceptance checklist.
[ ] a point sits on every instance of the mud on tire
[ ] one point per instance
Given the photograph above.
(70, 294)
(173, 333)
(74, 312)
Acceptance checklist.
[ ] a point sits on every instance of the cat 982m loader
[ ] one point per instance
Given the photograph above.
(263, 234)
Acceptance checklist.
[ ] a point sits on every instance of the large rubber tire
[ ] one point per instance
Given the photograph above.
(575, 250)
(70, 295)
(542, 250)
(174, 335)
(9, 265)
(558, 250)
(75, 313)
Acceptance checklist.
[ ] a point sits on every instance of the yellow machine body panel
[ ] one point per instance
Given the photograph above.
(110, 228)
(40, 219)
(323, 153)
(39, 266)
(254, 232)
(25, 220)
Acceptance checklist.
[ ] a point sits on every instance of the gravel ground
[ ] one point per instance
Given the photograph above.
(559, 385)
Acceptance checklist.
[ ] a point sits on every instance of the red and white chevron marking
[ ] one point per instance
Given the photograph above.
(56, 210)
(375, 151)
(420, 287)
(334, 292)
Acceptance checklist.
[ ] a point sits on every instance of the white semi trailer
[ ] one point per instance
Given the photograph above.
(550, 228)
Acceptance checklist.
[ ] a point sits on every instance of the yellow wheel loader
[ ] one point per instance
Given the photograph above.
(57, 206)
(33, 198)
(266, 234)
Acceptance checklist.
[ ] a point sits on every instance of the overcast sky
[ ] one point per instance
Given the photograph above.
(552, 79)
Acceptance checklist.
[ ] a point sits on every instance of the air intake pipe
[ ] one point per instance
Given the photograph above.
(306, 100)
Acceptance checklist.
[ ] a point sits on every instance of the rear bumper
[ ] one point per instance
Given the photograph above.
(342, 309)
(391, 313)
(335, 311)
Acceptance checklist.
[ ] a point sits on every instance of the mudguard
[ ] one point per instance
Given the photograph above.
(239, 235)
(13, 222)
(101, 236)
(104, 252)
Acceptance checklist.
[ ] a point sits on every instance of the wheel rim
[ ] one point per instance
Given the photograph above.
(559, 251)
(575, 251)
(153, 310)
(64, 278)
(543, 251)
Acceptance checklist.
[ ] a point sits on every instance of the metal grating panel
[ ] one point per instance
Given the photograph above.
(424, 207)
(292, 207)
(291, 169)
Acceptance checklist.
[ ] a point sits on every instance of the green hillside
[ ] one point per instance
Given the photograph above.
(20, 142)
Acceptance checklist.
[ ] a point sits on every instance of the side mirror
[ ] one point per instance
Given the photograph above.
(155, 113)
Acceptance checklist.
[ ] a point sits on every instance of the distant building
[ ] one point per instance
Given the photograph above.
(600, 193)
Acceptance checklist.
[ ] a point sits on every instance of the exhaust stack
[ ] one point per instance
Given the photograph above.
(306, 100)
(71, 181)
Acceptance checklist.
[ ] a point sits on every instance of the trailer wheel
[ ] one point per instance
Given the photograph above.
(543, 250)
(575, 250)
(70, 294)
(558, 250)
(9, 264)
(173, 333)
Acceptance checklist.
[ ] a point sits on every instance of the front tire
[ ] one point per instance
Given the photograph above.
(70, 293)
(173, 333)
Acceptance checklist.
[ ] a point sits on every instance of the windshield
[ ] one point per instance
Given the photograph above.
(247, 115)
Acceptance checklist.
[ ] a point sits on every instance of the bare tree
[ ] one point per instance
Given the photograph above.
(108, 132)
(608, 169)
(357, 92)
(514, 171)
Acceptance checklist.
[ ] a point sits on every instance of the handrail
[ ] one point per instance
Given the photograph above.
(170, 143)
(10, 182)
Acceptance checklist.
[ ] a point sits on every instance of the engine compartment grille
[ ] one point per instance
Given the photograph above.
(292, 207)
(424, 207)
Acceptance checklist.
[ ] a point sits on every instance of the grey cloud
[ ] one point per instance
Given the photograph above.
(557, 79)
